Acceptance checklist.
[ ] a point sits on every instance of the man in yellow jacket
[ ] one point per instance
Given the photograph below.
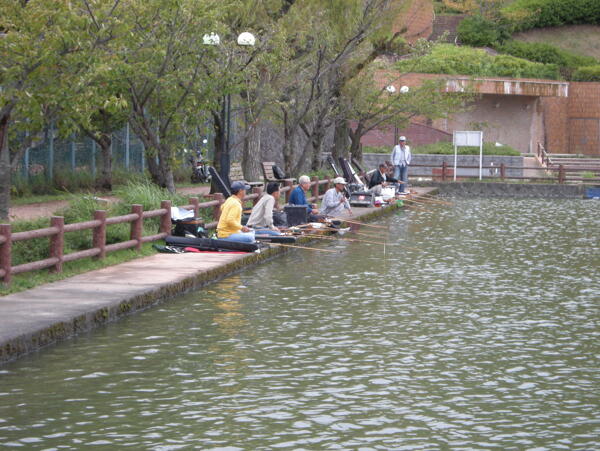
(230, 222)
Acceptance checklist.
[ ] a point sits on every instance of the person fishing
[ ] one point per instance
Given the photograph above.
(378, 180)
(298, 197)
(230, 225)
(335, 202)
(401, 159)
(261, 218)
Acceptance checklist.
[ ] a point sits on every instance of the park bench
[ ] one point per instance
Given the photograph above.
(270, 176)
(236, 174)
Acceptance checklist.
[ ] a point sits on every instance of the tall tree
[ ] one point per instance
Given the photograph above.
(43, 46)
(161, 60)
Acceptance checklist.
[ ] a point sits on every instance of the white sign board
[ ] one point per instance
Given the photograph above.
(471, 139)
(468, 139)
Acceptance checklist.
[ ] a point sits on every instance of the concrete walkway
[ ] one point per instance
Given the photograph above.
(49, 313)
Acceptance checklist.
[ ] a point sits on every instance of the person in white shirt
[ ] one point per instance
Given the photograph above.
(261, 218)
(334, 201)
(401, 159)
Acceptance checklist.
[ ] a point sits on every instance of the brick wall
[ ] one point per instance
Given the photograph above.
(417, 134)
(572, 125)
(416, 22)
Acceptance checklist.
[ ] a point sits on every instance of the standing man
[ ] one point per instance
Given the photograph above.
(334, 201)
(401, 159)
(230, 222)
(261, 218)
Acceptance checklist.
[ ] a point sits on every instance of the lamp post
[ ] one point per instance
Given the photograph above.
(392, 89)
(247, 40)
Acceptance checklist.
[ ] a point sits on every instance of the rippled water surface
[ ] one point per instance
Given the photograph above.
(484, 334)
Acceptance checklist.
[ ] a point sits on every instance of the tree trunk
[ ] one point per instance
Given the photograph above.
(340, 139)
(355, 146)
(251, 156)
(5, 169)
(105, 144)
(166, 169)
(218, 146)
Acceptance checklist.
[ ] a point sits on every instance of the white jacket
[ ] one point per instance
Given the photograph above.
(401, 157)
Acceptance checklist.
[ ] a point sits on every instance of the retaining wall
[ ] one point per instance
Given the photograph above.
(514, 190)
(371, 160)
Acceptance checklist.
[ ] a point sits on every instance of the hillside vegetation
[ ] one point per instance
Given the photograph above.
(578, 39)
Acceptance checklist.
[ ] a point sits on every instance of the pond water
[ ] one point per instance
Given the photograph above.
(484, 334)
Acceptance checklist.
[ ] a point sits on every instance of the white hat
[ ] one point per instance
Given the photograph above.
(402, 138)
(339, 180)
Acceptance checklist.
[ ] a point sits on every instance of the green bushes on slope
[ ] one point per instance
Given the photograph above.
(527, 14)
(548, 54)
(478, 31)
(587, 73)
(453, 60)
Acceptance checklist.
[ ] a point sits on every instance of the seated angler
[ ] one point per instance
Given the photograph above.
(261, 218)
(378, 180)
(298, 197)
(334, 201)
(230, 222)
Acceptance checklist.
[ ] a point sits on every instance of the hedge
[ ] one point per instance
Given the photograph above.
(527, 14)
(478, 31)
(453, 60)
(587, 73)
(447, 148)
(548, 54)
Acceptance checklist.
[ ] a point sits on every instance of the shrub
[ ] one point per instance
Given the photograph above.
(447, 148)
(548, 54)
(527, 14)
(587, 73)
(478, 31)
(453, 60)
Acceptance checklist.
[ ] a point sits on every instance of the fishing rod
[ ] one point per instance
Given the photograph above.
(432, 200)
(359, 223)
(304, 247)
(347, 239)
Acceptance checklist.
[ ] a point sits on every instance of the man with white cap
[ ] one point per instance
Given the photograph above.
(401, 159)
(334, 201)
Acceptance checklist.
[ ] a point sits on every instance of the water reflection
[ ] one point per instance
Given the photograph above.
(483, 334)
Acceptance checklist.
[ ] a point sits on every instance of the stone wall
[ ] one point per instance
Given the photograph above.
(513, 190)
(371, 161)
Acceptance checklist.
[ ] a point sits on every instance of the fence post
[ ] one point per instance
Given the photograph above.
(99, 236)
(288, 193)
(165, 220)
(194, 201)
(315, 187)
(502, 171)
(256, 190)
(137, 225)
(5, 253)
(57, 242)
(561, 174)
(217, 208)
(444, 169)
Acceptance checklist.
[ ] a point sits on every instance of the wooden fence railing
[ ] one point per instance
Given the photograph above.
(56, 232)
(559, 173)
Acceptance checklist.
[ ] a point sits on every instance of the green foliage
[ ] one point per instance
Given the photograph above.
(478, 31)
(446, 148)
(25, 281)
(527, 14)
(81, 208)
(548, 54)
(453, 60)
(587, 73)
